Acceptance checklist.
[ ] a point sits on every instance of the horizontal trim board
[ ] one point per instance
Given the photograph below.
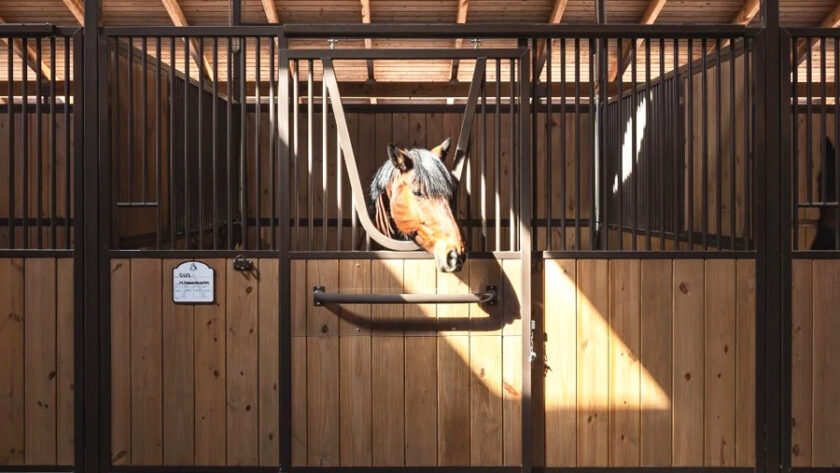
(408, 469)
(36, 253)
(35, 468)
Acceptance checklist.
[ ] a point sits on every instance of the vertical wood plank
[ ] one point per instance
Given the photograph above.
(511, 293)
(826, 407)
(178, 374)
(512, 400)
(211, 373)
(269, 362)
(802, 339)
(387, 278)
(448, 283)
(485, 400)
(39, 360)
(688, 319)
(11, 361)
(420, 398)
(64, 356)
(656, 303)
(485, 319)
(454, 400)
(321, 320)
(242, 379)
(299, 296)
(299, 402)
(719, 376)
(121, 361)
(745, 364)
(624, 369)
(354, 278)
(561, 357)
(421, 277)
(355, 400)
(593, 363)
(146, 358)
(322, 360)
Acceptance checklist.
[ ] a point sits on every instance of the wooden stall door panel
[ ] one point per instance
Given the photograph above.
(688, 325)
(485, 400)
(826, 408)
(388, 400)
(322, 404)
(656, 346)
(178, 375)
(802, 363)
(121, 362)
(211, 373)
(269, 362)
(11, 361)
(561, 359)
(745, 364)
(65, 379)
(355, 400)
(512, 400)
(454, 400)
(421, 402)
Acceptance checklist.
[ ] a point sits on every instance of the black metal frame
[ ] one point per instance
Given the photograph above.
(93, 222)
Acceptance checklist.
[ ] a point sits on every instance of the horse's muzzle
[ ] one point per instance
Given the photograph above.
(453, 262)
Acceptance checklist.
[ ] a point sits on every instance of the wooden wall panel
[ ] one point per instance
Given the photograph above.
(36, 383)
(194, 384)
(664, 354)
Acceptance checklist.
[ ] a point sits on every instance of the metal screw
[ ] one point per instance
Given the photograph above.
(476, 42)
(332, 42)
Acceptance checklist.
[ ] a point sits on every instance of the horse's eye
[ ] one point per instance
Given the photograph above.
(418, 193)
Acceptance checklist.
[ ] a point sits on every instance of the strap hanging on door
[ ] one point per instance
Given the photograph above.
(461, 150)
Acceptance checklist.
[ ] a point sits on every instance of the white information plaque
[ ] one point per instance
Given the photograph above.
(193, 283)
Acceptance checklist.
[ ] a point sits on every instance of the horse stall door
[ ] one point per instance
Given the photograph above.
(405, 384)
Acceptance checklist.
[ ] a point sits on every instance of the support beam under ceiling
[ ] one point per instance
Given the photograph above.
(178, 19)
(832, 20)
(365, 4)
(30, 56)
(76, 9)
(460, 17)
(556, 16)
(654, 8)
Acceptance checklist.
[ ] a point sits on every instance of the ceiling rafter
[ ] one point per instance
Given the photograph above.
(832, 20)
(555, 17)
(460, 17)
(30, 56)
(365, 5)
(654, 8)
(270, 11)
(178, 19)
(77, 9)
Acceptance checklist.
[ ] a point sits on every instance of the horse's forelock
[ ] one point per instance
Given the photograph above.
(429, 172)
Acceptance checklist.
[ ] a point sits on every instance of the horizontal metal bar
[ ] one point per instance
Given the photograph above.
(627, 469)
(191, 31)
(26, 29)
(36, 253)
(321, 297)
(137, 204)
(817, 204)
(321, 255)
(405, 469)
(191, 469)
(406, 53)
(812, 32)
(649, 254)
(815, 254)
(511, 30)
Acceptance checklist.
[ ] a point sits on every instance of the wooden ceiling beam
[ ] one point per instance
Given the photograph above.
(365, 4)
(30, 56)
(832, 20)
(178, 19)
(460, 17)
(654, 8)
(555, 17)
(76, 9)
(270, 11)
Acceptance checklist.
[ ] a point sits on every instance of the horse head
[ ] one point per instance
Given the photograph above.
(411, 197)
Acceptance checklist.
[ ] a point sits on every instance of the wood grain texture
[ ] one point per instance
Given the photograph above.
(355, 400)
(268, 332)
(299, 401)
(321, 320)
(485, 400)
(322, 359)
(121, 362)
(512, 400)
(178, 374)
(826, 390)
(719, 376)
(420, 399)
(453, 411)
(354, 277)
(65, 378)
(802, 362)
(656, 356)
(561, 359)
(745, 387)
(388, 400)
(11, 361)
(687, 400)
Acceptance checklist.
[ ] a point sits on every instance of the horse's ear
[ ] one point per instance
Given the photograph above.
(399, 158)
(441, 149)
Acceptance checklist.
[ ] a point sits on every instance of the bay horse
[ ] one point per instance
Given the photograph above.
(827, 223)
(411, 198)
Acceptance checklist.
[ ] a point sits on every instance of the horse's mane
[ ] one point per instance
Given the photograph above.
(429, 171)
(825, 238)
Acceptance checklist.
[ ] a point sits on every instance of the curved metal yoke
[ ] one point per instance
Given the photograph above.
(461, 149)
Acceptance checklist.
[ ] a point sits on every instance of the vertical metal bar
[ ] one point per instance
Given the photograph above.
(633, 105)
(809, 152)
(39, 126)
(605, 142)
(836, 141)
(747, 103)
(482, 164)
(130, 126)
(678, 156)
(795, 145)
(648, 152)
(512, 174)
(171, 157)
(214, 144)
(338, 192)
(143, 112)
(310, 113)
(25, 144)
(718, 151)
(497, 158)
(295, 138)
(229, 138)
(52, 151)
(158, 148)
(563, 157)
(200, 135)
(594, 134)
(690, 99)
(732, 134)
(187, 228)
(116, 103)
(68, 157)
(823, 136)
(243, 144)
(549, 157)
(10, 116)
(577, 144)
(273, 155)
(257, 155)
(620, 105)
(324, 161)
(704, 138)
